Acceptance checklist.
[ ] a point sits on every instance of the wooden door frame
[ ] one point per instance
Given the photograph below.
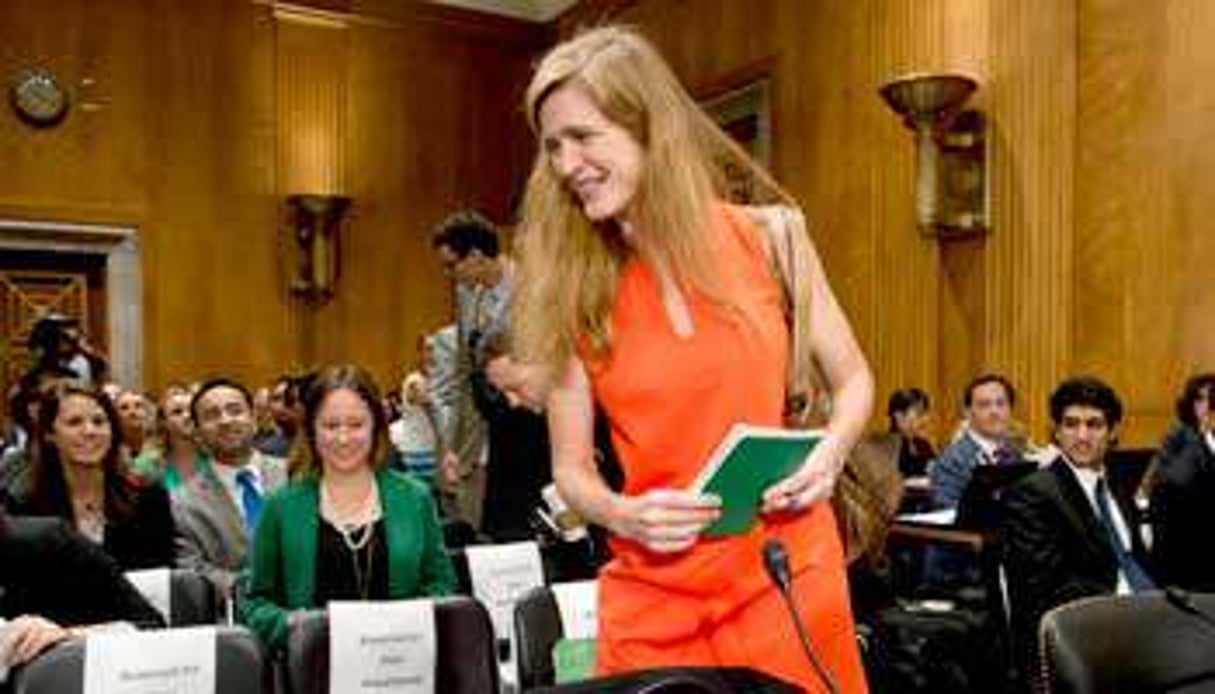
(123, 279)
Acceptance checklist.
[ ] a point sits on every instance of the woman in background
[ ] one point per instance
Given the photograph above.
(178, 459)
(643, 291)
(1179, 486)
(346, 528)
(907, 411)
(76, 473)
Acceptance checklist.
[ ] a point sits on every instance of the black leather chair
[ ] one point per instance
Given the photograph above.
(467, 662)
(240, 666)
(537, 629)
(194, 600)
(1152, 642)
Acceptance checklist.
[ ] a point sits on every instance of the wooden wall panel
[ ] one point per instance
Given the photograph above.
(1028, 278)
(188, 131)
(1144, 179)
(927, 314)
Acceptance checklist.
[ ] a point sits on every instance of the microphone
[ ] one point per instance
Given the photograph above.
(776, 562)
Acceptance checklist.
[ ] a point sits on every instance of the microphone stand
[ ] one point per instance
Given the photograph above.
(776, 561)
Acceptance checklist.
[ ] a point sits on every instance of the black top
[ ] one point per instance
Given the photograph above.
(48, 569)
(914, 455)
(343, 574)
(144, 538)
(1183, 496)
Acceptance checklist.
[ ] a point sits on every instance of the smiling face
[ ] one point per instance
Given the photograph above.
(81, 431)
(598, 161)
(1084, 435)
(225, 424)
(344, 432)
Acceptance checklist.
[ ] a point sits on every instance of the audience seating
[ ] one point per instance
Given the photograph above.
(240, 667)
(467, 660)
(1152, 642)
(193, 600)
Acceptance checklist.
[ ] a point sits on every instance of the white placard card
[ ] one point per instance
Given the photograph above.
(155, 586)
(578, 602)
(501, 574)
(167, 661)
(382, 647)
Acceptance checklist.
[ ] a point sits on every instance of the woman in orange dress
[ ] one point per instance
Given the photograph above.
(642, 290)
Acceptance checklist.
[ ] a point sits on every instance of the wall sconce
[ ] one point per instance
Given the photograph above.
(315, 222)
(951, 152)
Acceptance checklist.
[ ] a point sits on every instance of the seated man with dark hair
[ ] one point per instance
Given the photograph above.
(1063, 536)
(55, 584)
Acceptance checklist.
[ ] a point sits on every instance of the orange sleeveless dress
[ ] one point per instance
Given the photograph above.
(670, 400)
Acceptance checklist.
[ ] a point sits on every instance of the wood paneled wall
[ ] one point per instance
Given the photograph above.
(927, 313)
(1145, 179)
(192, 120)
(1102, 115)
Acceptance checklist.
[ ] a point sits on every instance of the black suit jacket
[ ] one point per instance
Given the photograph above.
(48, 569)
(1183, 496)
(1055, 549)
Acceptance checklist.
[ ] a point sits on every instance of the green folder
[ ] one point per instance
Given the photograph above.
(746, 462)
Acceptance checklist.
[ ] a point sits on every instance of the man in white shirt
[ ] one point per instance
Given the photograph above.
(1065, 535)
(216, 512)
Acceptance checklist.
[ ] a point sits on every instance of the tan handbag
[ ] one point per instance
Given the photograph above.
(869, 488)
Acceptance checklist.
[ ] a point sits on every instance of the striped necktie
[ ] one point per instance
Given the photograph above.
(250, 499)
(1136, 577)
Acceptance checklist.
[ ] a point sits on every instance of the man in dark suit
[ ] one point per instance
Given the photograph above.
(1064, 537)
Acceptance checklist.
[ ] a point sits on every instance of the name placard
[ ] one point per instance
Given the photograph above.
(154, 585)
(382, 647)
(501, 574)
(168, 661)
(578, 602)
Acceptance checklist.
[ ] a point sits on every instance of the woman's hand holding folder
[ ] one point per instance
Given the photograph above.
(665, 520)
(814, 481)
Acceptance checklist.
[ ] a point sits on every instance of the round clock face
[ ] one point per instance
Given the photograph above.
(39, 99)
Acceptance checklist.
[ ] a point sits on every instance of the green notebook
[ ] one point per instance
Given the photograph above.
(746, 462)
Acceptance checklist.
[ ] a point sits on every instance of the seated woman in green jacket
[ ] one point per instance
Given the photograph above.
(346, 527)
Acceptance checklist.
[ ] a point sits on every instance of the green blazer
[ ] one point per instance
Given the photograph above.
(283, 568)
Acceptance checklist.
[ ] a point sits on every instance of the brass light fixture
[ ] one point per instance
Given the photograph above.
(315, 224)
(951, 151)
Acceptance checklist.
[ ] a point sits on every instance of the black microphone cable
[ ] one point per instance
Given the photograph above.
(776, 561)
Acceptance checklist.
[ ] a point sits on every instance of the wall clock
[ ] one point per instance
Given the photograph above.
(38, 98)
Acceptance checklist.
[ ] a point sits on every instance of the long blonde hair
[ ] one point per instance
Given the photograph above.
(569, 266)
